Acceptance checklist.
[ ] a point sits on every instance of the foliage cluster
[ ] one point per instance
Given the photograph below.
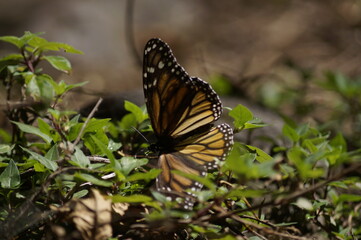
(66, 177)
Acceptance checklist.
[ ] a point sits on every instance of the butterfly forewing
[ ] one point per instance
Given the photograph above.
(176, 103)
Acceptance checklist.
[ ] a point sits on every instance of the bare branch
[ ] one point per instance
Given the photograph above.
(91, 114)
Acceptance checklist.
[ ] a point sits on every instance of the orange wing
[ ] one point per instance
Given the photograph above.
(195, 155)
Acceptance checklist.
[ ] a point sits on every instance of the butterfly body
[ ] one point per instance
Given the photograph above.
(182, 110)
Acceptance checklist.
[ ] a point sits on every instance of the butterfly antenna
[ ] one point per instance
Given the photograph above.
(140, 134)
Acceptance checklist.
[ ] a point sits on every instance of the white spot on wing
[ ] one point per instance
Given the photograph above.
(160, 65)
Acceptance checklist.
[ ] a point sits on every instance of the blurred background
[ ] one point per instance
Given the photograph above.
(274, 56)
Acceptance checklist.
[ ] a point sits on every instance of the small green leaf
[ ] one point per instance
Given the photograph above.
(305, 168)
(103, 148)
(90, 178)
(32, 87)
(248, 193)
(45, 87)
(71, 86)
(241, 115)
(96, 124)
(12, 57)
(38, 167)
(53, 153)
(6, 148)
(6, 137)
(79, 158)
(47, 130)
(59, 62)
(152, 174)
(349, 198)
(46, 162)
(291, 133)
(80, 194)
(136, 198)
(13, 40)
(261, 155)
(10, 177)
(139, 114)
(339, 142)
(127, 122)
(129, 163)
(56, 46)
(36, 42)
(33, 130)
(114, 146)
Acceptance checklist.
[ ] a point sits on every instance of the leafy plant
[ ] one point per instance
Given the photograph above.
(62, 175)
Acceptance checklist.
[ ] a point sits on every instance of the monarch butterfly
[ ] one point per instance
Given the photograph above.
(181, 110)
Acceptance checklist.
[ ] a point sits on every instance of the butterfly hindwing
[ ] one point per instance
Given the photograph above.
(194, 155)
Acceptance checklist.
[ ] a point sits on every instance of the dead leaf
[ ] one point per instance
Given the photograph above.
(91, 216)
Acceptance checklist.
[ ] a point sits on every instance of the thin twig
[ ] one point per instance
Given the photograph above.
(129, 32)
(91, 114)
(98, 159)
(265, 229)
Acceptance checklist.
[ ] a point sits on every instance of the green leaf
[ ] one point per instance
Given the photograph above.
(127, 122)
(47, 130)
(339, 142)
(80, 194)
(13, 40)
(49, 164)
(6, 137)
(139, 114)
(36, 42)
(128, 164)
(6, 148)
(79, 158)
(46, 88)
(237, 157)
(241, 115)
(305, 168)
(59, 62)
(152, 174)
(261, 155)
(10, 177)
(136, 198)
(244, 164)
(254, 123)
(71, 86)
(32, 87)
(53, 153)
(104, 149)
(90, 178)
(96, 124)
(33, 130)
(248, 193)
(15, 57)
(38, 167)
(349, 198)
(113, 146)
(291, 133)
(56, 46)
